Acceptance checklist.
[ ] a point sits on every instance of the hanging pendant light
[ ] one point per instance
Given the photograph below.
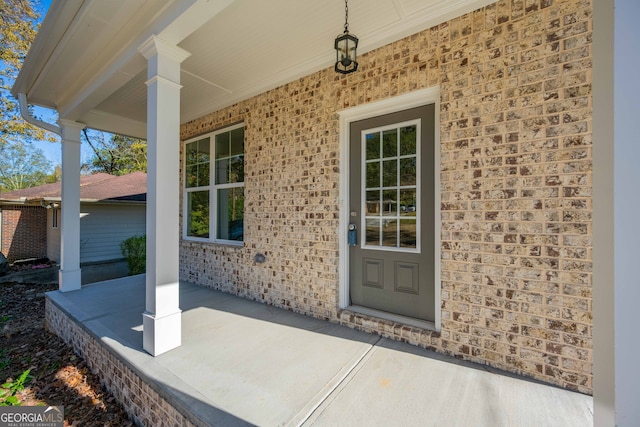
(345, 46)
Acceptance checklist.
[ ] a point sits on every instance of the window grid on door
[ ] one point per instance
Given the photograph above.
(390, 190)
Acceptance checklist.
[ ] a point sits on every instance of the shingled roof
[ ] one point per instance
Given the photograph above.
(93, 188)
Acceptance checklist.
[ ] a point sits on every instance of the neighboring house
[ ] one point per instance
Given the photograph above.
(112, 210)
(479, 115)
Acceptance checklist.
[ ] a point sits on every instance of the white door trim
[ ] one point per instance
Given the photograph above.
(386, 106)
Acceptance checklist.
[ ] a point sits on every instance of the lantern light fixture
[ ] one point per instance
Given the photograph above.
(346, 45)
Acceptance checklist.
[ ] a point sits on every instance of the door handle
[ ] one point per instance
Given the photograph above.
(352, 235)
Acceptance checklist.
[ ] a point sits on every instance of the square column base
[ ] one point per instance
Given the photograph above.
(161, 334)
(69, 280)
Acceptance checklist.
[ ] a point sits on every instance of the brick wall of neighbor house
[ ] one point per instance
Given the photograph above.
(24, 232)
(515, 130)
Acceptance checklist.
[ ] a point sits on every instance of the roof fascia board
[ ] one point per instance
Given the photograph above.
(56, 23)
(107, 122)
(59, 47)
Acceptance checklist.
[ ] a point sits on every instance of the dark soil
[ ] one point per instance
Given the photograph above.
(59, 377)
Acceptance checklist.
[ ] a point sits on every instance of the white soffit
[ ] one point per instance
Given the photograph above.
(246, 48)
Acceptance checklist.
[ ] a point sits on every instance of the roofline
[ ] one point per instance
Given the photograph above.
(24, 201)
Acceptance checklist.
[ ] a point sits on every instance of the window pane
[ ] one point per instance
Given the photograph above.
(230, 214)
(408, 136)
(236, 169)
(390, 232)
(389, 202)
(191, 176)
(408, 202)
(236, 142)
(373, 146)
(408, 233)
(372, 234)
(373, 202)
(197, 159)
(390, 173)
(373, 174)
(198, 214)
(390, 143)
(408, 171)
(230, 157)
(222, 171)
(222, 145)
(197, 152)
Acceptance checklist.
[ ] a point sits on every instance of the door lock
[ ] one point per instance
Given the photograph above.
(352, 235)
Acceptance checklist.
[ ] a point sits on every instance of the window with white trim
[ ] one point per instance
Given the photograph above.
(214, 186)
(54, 218)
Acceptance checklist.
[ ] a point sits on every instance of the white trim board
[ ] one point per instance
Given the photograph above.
(391, 105)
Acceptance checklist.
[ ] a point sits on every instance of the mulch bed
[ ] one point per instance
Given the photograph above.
(60, 377)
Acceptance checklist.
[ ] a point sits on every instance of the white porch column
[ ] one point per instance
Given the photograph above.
(162, 317)
(69, 275)
(616, 204)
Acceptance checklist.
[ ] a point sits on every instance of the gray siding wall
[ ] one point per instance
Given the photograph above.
(104, 227)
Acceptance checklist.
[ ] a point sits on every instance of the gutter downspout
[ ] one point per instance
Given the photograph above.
(69, 277)
(24, 111)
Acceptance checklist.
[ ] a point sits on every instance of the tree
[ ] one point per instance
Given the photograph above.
(116, 154)
(22, 166)
(18, 28)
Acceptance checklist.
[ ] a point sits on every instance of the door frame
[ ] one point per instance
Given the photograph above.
(398, 103)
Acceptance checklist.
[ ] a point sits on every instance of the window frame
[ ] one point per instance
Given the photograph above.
(54, 218)
(211, 187)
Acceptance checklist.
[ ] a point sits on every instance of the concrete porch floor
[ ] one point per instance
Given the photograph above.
(242, 362)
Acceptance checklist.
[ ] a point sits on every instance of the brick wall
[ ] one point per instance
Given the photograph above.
(24, 232)
(145, 404)
(515, 130)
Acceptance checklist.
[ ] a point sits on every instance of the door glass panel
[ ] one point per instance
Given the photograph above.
(373, 232)
(408, 171)
(390, 203)
(373, 203)
(408, 138)
(390, 232)
(390, 173)
(408, 233)
(373, 146)
(391, 187)
(373, 174)
(408, 202)
(390, 143)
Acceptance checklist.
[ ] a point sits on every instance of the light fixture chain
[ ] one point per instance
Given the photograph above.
(346, 16)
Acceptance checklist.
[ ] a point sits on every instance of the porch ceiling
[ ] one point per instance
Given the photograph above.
(85, 63)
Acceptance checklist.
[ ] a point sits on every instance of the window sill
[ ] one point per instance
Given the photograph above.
(228, 243)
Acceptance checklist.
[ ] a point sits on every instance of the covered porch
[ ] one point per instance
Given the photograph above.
(246, 363)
